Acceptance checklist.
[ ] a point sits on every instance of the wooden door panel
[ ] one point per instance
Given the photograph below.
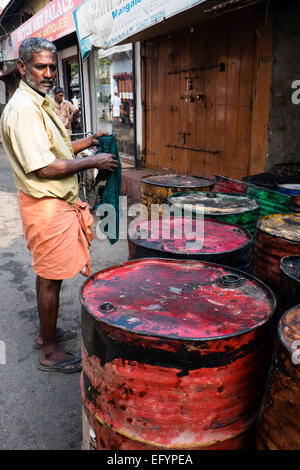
(211, 133)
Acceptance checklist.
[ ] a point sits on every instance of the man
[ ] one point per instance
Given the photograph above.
(64, 109)
(116, 103)
(56, 224)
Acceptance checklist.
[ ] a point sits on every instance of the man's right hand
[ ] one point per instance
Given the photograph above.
(62, 168)
(104, 161)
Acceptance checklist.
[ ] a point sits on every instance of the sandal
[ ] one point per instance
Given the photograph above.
(62, 366)
(61, 336)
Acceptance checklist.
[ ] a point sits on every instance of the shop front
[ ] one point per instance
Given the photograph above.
(55, 22)
(112, 95)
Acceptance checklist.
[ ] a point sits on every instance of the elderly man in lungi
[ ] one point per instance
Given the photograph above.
(56, 224)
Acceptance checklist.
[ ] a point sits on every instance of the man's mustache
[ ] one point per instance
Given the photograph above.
(47, 81)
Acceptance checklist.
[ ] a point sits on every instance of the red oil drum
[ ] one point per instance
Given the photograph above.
(277, 236)
(279, 424)
(174, 355)
(217, 242)
(229, 185)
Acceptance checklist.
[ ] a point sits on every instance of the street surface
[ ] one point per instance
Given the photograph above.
(38, 410)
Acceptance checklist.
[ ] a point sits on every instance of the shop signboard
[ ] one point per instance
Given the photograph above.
(52, 22)
(103, 24)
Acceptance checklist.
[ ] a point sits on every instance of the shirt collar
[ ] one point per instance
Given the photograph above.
(39, 99)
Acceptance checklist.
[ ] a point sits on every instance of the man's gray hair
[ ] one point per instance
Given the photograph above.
(31, 45)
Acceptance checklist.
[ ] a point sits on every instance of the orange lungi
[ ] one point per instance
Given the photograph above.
(58, 236)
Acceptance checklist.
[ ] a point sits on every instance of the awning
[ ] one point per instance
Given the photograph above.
(103, 25)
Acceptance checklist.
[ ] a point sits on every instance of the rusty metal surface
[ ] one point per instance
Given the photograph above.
(289, 282)
(108, 439)
(232, 208)
(229, 185)
(214, 203)
(179, 359)
(277, 236)
(168, 301)
(177, 181)
(271, 202)
(295, 201)
(285, 226)
(279, 424)
(156, 189)
(289, 330)
(221, 242)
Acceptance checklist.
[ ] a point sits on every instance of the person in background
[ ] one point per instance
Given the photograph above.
(75, 101)
(116, 104)
(56, 224)
(64, 109)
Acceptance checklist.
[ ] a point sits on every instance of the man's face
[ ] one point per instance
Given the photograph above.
(40, 72)
(59, 97)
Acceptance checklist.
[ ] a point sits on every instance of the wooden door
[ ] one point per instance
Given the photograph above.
(198, 96)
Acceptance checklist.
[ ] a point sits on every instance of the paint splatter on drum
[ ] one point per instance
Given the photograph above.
(174, 354)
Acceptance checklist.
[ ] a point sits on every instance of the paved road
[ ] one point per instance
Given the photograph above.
(38, 410)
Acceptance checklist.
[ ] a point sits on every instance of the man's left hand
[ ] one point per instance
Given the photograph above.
(94, 137)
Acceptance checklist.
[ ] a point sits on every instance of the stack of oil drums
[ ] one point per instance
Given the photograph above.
(178, 342)
(278, 422)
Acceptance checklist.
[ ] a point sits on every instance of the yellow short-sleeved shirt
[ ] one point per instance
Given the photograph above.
(33, 136)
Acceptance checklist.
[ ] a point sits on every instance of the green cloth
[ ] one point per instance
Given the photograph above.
(112, 190)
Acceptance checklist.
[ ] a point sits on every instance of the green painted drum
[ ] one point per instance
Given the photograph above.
(232, 208)
(271, 202)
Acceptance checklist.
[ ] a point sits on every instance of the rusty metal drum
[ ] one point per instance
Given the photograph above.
(277, 236)
(215, 241)
(155, 189)
(279, 424)
(271, 202)
(290, 189)
(236, 209)
(229, 185)
(289, 282)
(174, 355)
(295, 203)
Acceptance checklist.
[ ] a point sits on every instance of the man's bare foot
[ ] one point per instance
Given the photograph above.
(56, 359)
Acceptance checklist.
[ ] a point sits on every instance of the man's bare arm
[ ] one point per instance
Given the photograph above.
(62, 168)
(86, 142)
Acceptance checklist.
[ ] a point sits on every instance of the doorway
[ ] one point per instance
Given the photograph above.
(72, 87)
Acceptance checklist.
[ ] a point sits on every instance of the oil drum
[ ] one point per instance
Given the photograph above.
(223, 184)
(294, 191)
(232, 208)
(277, 236)
(278, 424)
(215, 241)
(295, 203)
(287, 171)
(271, 202)
(289, 282)
(289, 189)
(174, 355)
(155, 189)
